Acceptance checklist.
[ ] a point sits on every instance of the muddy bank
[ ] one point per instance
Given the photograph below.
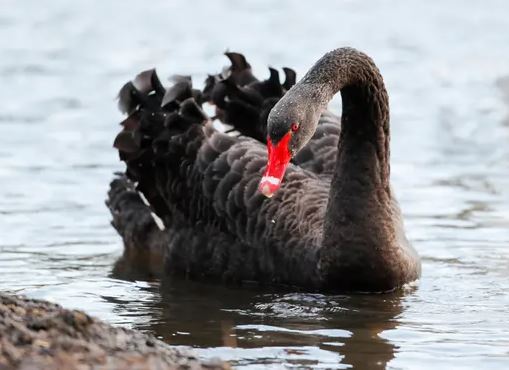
(41, 335)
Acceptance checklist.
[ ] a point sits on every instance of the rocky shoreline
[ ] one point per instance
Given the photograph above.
(37, 335)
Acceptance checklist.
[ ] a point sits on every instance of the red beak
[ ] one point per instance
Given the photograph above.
(279, 157)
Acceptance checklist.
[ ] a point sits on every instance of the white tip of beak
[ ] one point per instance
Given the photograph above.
(265, 190)
(268, 185)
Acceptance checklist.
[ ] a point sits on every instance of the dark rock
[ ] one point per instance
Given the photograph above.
(41, 335)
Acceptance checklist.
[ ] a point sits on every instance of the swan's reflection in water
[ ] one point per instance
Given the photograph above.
(252, 328)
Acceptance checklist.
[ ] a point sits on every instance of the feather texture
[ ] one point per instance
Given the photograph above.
(203, 183)
(197, 178)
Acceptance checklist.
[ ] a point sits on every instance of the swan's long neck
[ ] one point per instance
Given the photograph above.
(359, 209)
(363, 149)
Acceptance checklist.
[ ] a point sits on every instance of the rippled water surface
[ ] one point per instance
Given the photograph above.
(444, 64)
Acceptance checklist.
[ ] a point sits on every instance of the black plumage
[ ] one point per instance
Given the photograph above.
(203, 183)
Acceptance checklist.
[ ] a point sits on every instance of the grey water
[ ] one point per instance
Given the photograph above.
(445, 65)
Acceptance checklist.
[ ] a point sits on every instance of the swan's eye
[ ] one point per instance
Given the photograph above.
(295, 127)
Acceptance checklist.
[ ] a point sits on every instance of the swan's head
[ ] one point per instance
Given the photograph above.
(290, 125)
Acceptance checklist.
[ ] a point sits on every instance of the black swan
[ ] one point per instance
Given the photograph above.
(342, 232)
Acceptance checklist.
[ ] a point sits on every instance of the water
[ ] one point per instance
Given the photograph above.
(61, 66)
